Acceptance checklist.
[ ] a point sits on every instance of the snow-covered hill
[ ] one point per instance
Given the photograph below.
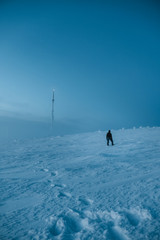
(75, 187)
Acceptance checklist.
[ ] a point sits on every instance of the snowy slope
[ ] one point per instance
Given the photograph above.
(75, 187)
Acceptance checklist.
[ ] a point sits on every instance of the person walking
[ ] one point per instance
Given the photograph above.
(109, 138)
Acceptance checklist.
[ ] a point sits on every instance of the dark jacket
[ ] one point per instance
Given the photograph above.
(109, 135)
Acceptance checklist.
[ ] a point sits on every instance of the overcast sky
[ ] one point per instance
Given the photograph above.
(101, 57)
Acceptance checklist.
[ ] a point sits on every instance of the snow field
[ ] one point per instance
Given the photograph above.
(75, 187)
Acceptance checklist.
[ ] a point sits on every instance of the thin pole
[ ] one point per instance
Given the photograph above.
(53, 108)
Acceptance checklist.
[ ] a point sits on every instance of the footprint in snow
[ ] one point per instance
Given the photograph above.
(117, 233)
(64, 194)
(73, 222)
(57, 227)
(136, 215)
(54, 173)
(67, 224)
(133, 218)
(44, 170)
(60, 185)
(85, 200)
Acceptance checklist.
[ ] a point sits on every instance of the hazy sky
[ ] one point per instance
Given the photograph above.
(101, 57)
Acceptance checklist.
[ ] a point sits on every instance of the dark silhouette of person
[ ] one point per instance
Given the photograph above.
(109, 138)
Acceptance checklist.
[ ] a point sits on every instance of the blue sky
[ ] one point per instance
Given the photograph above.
(101, 57)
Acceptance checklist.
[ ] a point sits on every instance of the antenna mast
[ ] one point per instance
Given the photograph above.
(53, 108)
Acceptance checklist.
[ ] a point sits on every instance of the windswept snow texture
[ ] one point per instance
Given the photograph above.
(75, 187)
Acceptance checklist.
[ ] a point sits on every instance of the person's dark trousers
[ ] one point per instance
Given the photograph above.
(110, 140)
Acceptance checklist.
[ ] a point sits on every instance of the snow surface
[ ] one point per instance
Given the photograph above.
(76, 187)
